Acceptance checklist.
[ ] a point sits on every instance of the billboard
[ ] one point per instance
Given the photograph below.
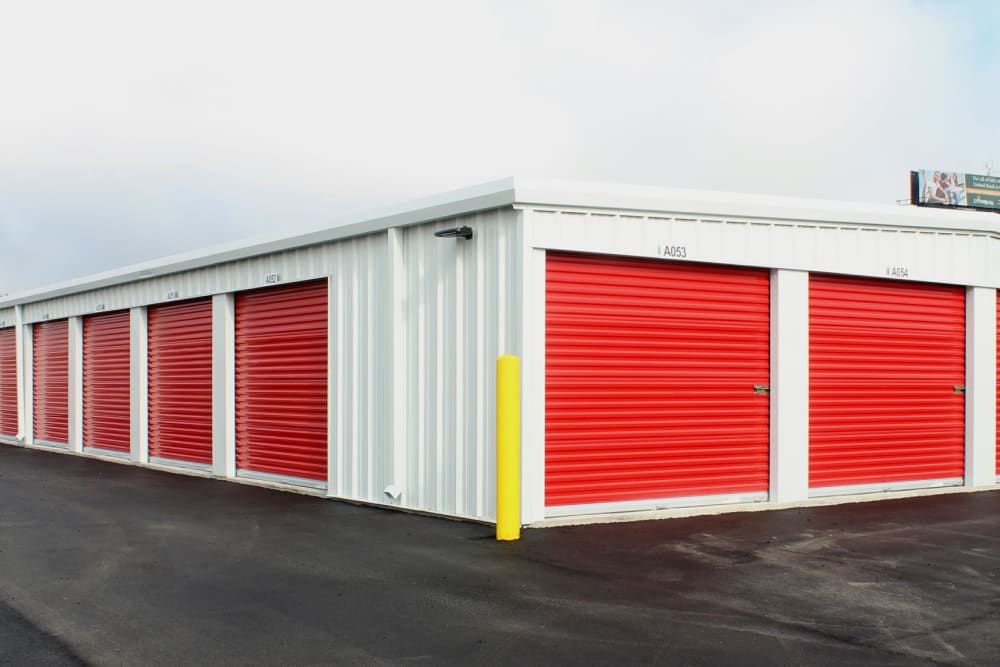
(929, 187)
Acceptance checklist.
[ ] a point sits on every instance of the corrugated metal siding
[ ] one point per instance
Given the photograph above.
(361, 373)
(281, 380)
(50, 379)
(884, 360)
(7, 317)
(462, 310)
(650, 374)
(107, 381)
(290, 266)
(180, 381)
(8, 381)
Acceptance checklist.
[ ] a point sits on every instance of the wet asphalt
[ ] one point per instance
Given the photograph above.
(105, 564)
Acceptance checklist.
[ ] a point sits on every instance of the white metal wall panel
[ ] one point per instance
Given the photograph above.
(940, 256)
(462, 310)
(361, 461)
(7, 317)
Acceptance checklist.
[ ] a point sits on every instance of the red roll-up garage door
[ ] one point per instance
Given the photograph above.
(281, 381)
(180, 381)
(997, 413)
(8, 382)
(651, 369)
(107, 382)
(885, 359)
(50, 352)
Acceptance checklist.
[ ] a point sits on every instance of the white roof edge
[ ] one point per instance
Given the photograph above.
(528, 193)
(494, 194)
(707, 203)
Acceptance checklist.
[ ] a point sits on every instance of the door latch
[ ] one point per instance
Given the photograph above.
(959, 388)
(761, 389)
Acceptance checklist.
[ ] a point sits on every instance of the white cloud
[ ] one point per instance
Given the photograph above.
(132, 130)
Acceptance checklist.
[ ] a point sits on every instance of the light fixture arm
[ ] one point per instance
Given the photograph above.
(463, 232)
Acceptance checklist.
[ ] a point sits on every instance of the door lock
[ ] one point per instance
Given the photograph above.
(761, 389)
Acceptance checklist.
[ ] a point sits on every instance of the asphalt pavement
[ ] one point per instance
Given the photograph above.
(105, 564)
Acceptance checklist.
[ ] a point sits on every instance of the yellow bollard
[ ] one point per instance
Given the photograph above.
(508, 448)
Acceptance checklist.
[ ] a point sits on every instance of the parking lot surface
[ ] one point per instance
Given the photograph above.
(107, 564)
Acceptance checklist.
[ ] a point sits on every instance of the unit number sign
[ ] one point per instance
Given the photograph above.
(672, 251)
(897, 272)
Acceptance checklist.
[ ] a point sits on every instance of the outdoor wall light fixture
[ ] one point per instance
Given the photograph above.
(392, 491)
(463, 232)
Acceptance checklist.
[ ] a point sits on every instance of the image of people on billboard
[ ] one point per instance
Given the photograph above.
(945, 188)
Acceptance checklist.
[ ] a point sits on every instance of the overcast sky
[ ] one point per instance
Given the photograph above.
(135, 129)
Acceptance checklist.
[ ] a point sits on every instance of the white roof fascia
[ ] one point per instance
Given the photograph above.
(699, 203)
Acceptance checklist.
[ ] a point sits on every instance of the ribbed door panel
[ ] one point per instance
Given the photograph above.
(997, 413)
(50, 352)
(884, 360)
(281, 380)
(107, 382)
(650, 373)
(180, 381)
(8, 382)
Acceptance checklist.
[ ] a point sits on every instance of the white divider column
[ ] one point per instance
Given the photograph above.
(533, 386)
(24, 343)
(139, 376)
(789, 386)
(224, 385)
(394, 375)
(334, 472)
(980, 386)
(76, 384)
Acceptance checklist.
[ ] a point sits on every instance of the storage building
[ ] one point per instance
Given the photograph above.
(679, 349)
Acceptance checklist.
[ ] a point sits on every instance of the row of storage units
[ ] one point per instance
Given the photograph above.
(281, 382)
(676, 353)
(657, 381)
